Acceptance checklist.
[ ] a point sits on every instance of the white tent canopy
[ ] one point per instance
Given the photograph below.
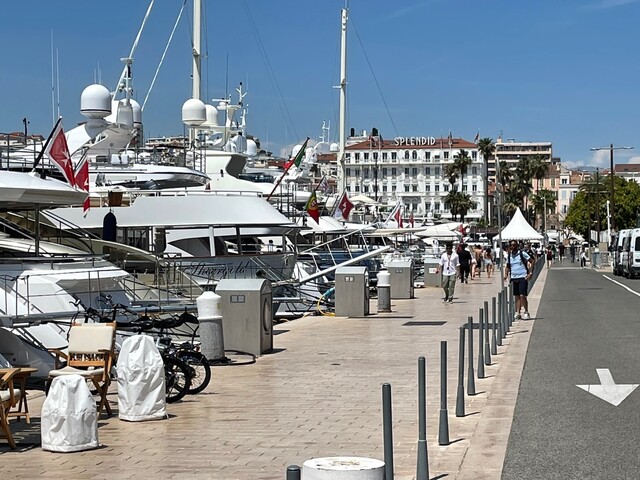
(519, 229)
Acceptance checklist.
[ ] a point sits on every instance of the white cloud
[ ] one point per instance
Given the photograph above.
(606, 4)
(600, 158)
(634, 160)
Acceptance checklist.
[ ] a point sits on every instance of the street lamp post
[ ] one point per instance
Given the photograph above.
(611, 148)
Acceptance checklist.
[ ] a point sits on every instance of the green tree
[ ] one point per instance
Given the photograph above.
(538, 168)
(486, 147)
(462, 160)
(540, 199)
(459, 203)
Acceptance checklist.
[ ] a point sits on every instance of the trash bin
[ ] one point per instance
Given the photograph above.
(69, 418)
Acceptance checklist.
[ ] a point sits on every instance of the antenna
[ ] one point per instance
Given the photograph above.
(53, 101)
(58, 82)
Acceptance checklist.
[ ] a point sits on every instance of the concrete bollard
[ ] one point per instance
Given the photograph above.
(384, 291)
(343, 468)
(443, 431)
(210, 326)
(460, 391)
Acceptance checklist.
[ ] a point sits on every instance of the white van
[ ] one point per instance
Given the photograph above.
(617, 251)
(632, 267)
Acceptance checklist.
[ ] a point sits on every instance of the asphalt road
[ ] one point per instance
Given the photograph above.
(585, 322)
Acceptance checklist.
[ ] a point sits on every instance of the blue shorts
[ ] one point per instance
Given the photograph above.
(520, 287)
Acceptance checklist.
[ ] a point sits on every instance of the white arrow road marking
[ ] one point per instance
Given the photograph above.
(608, 390)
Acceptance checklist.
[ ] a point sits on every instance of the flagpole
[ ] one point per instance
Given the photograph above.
(301, 152)
(46, 144)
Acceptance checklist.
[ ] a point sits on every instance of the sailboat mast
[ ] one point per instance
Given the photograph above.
(197, 13)
(343, 101)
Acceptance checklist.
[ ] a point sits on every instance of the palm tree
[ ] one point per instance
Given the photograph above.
(505, 174)
(486, 147)
(511, 204)
(541, 199)
(462, 162)
(538, 168)
(452, 173)
(459, 203)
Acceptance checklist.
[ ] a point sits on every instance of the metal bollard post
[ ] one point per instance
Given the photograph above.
(293, 472)
(512, 305)
(500, 320)
(384, 291)
(487, 348)
(507, 315)
(460, 392)
(480, 344)
(387, 431)
(471, 382)
(494, 334)
(422, 470)
(443, 432)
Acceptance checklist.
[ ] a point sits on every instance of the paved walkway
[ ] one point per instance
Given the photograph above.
(319, 395)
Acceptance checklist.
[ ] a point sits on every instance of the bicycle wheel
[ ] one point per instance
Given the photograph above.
(177, 378)
(199, 369)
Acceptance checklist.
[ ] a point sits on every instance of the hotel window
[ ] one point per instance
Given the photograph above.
(406, 188)
(365, 172)
(474, 155)
(437, 188)
(564, 209)
(394, 155)
(427, 155)
(464, 188)
(348, 188)
(474, 170)
(357, 156)
(365, 189)
(366, 156)
(553, 182)
(446, 155)
(357, 188)
(437, 171)
(384, 188)
(428, 171)
(414, 171)
(384, 155)
(564, 194)
(445, 187)
(406, 154)
(384, 172)
(406, 171)
(414, 188)
(348, 172)
(474, 188)
(414, 155)
(356, 172)
(394, 172)
(564, 181)
(375, 155)
(436, 206)
(427, 188)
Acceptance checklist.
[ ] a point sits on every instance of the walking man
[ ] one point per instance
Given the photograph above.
(519, 267)
(464, 259)
(449, 266)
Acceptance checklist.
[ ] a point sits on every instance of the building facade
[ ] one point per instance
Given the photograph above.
(412, 170)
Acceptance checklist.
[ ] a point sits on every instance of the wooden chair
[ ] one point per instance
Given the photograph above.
(91, 355)
(9, 397)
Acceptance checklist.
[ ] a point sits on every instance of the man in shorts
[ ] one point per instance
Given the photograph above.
(519, 267)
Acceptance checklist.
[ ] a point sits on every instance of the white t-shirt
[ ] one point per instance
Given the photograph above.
(448, 263)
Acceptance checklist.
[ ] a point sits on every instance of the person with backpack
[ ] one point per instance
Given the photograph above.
(519, 268)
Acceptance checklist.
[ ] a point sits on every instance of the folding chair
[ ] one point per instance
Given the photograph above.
(9, 397)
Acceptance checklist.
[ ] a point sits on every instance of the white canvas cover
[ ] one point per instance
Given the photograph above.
(141, 383)
(69, 420)
(519, 229)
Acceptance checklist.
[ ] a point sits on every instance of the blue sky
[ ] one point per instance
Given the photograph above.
(563, 71)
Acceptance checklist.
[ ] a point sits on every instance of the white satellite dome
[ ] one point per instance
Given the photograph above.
(95, 101)
(295, 150)
(252, 148)
(212, 116)
(137, 113)
(323, 147)
(334, 147)
(194, 112)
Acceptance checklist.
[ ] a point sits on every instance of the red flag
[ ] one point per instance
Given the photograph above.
(58, 151)
(344, 207)
(398, 216)
(312, 207)
(411, 221)
(82, 181)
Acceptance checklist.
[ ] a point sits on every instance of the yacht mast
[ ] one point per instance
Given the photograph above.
(197, 47)
(343, 100)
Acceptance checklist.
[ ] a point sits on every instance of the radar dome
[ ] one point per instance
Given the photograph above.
(334, 147)
(212, 116)
(95, 101)
(137, 113)
(252, 148)
(194, 112)
(295, 150)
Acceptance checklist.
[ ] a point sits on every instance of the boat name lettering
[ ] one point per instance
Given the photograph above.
(218, 271)
(417, 141)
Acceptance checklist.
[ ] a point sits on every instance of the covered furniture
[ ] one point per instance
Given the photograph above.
(90, 354)
(141, 380)
(69, 420)
(9, 397)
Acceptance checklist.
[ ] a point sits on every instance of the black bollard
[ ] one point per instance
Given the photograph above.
(460, 392)
(500, 320)
(480, 344)
(387, 431)
(471, 381)
(443, 432)
(422, 470)
(487, 347)
(293, 472)
(494, 334)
